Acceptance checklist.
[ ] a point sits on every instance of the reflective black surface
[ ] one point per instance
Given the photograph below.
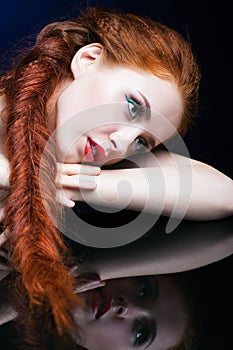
(209, 282)
(212, 288)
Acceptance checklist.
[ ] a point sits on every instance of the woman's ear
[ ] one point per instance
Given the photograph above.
(85, 57)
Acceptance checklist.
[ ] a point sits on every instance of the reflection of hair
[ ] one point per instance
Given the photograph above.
(128, 40)
(32, 329)
(191, 335)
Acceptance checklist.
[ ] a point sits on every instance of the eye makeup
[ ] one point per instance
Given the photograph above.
(136, 107)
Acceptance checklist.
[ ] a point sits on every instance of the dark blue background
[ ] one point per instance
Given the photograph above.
(205, 23)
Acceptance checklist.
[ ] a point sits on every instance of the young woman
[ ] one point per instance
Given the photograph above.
(91, 92)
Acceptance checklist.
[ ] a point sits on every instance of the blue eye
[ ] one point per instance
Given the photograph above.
(141, 333)
(147, 288)
(136, 109)
(142, 290)
(141, 145)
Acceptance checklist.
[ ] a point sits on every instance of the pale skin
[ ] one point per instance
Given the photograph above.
(126, 111)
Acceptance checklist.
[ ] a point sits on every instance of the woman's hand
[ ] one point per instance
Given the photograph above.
(71, 178)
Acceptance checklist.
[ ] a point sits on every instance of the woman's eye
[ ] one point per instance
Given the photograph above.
(147, 288)
(142, 292)
(143, 289)
(141, 144)
(134, 107)
(141, 333)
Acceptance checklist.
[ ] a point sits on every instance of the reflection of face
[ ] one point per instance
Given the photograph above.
(132, 313)
(123, 126)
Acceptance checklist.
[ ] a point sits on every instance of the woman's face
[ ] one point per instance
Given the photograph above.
(132, 313)
(106, 114)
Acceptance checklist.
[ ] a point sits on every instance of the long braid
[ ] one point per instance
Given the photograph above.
(37, 245)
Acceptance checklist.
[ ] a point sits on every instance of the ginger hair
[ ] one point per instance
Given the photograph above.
(38, 250)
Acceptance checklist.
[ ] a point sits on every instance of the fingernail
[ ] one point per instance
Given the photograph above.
(92, 170)
(95, 170)
(74, 271)
(87, 281)
(71, 204)
(88, 185)
(89, 286)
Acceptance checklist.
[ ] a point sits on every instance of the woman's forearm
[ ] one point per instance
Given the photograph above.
(197, 191)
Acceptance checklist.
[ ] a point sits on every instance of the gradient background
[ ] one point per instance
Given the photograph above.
(210, 140)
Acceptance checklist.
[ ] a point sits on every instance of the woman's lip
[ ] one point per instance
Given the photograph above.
(96, 301)
(93, 151)
(88, 151)
(101, 303)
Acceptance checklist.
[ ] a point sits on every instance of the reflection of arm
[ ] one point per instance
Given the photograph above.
(200, 191)
(189, 246)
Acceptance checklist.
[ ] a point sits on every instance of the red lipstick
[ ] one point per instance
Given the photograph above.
(88, 151)
(101, 303)
(93, 151)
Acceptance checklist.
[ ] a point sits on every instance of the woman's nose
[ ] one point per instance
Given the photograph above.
(123, 138)
(120, 306)
(125, 309)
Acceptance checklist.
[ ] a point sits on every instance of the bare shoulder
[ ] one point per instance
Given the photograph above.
(2, 103)
(2, 127)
